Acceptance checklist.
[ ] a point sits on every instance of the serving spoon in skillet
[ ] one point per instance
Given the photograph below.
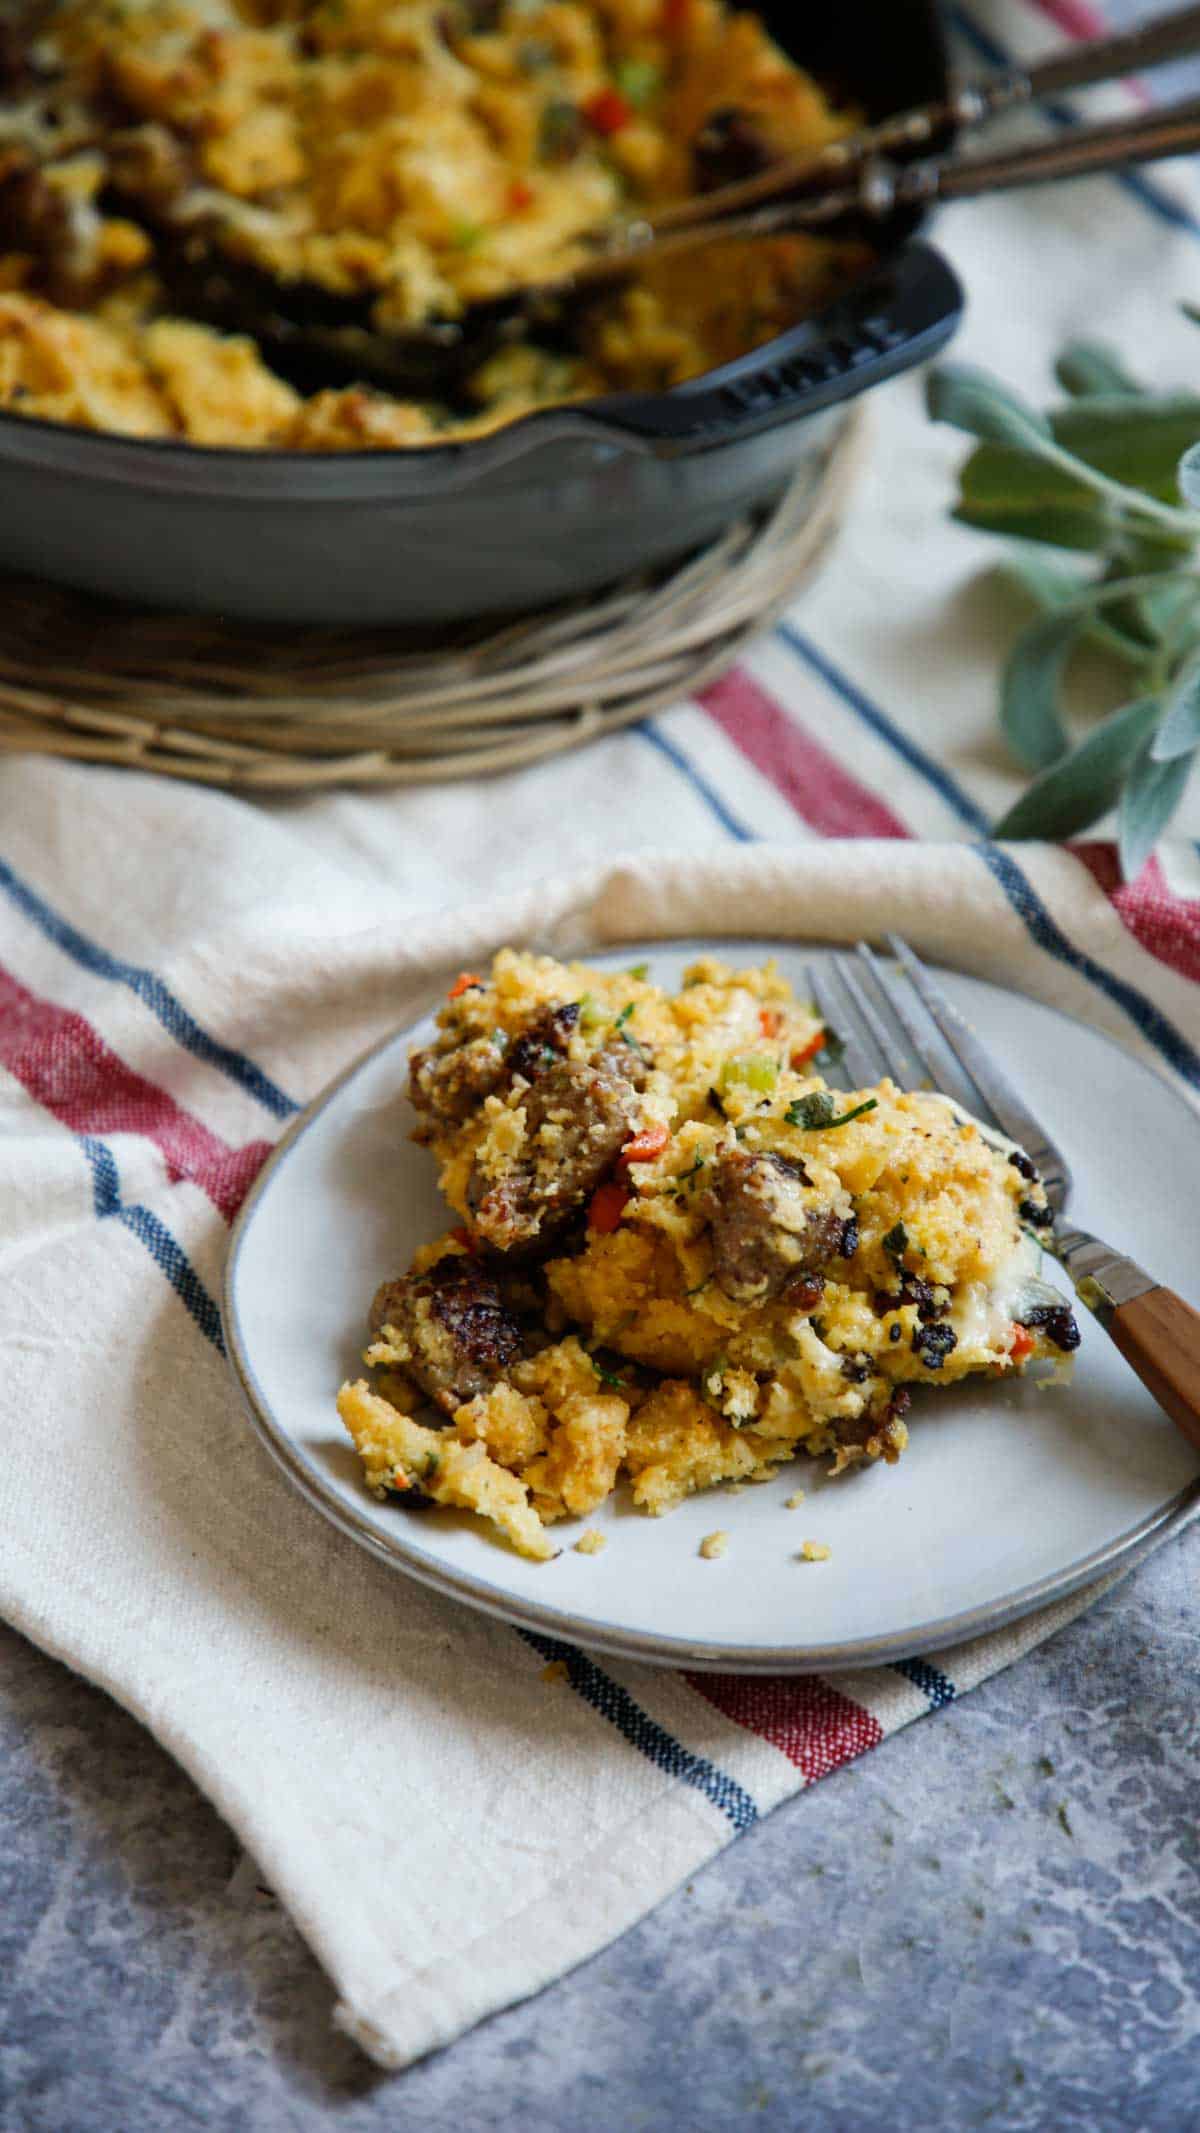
(318, 337)
(311, 338)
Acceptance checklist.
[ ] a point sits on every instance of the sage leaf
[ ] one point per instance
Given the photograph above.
(1180, 729)
(1051, 586)
(1142, 627)
(1152, 793)
(1031, 685)
(1187, 475)
(1083, 785)
(1090, 367)
(1167, 607)
(1003, 490)
(1137, 443)
(1048, 585)
(968, 399)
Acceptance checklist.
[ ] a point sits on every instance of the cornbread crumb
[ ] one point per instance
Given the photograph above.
(556, 1671)
(794, 1500)
(815, 1551)
(714, 1545)
(590, 1543)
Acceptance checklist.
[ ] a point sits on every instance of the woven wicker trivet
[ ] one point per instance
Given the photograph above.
(248, 707)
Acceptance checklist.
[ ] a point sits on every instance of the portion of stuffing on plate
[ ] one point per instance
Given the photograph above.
(381, 163)
(681, 1258)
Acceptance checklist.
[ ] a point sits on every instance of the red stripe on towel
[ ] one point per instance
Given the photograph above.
(807, 1719)
(813, 781)
(1165, 925)
(70, 1071)
(1075, 17)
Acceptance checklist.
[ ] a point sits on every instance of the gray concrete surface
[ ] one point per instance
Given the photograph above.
(993, 1920)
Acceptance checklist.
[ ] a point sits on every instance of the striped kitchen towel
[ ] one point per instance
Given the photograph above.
(180, 971)
(450, 1823)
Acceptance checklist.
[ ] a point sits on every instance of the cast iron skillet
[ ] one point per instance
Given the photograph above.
(551, 506)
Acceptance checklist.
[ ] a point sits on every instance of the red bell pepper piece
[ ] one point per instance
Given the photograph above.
(607, 111)
(607, 1206)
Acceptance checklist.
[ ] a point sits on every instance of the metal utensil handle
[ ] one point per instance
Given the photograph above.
(1146, 139)
(882, 188)
(1080, 66)
(972, 103)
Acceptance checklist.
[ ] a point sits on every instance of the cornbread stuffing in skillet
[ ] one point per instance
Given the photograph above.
(405, 158)
(680, 1258)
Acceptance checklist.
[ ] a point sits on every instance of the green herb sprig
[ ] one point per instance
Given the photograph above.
(622, 1030)
(816, 1112)
(1113, 474)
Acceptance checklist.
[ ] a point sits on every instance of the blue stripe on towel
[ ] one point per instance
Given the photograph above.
(698, 782)
(1044, 930)
(1048, 934)
(151, 990)
(165, 1250)
(932, 1683)
(933, 773)
(645, 1734)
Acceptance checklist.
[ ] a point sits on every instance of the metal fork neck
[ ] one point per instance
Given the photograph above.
(1103, 1278)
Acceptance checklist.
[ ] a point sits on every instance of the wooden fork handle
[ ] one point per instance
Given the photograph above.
(1159, 1336)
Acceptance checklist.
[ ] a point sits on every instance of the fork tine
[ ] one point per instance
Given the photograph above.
(858, 1068)
(875, 1039)
(851, 1061)
(905, 1070)
(1001, 1101)
(932, 1068)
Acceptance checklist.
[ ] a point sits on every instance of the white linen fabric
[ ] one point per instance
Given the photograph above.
(180, 970)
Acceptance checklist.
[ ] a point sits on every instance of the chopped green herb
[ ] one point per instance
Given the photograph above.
(833, 1051)
(639, 80)
(716, 1103)
(500, 1039)
(818, 1326)
(467, 236)
(712, 1380)
(640, 971)
(895, 1244)
(812, 1111)
(591, 1014)
(626, 1035)
(699, 1285)
(560, 131)
(534, 55)
(684, 1175)
(815, 1112)
(606, 1376)
(431, 1466)
(759, 1072)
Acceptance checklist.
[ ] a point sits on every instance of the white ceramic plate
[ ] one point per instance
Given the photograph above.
(1007, 1496)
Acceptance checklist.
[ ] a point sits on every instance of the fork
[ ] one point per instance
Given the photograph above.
(887, 1022)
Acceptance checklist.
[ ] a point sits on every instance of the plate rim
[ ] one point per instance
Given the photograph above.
(1116, 1557)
